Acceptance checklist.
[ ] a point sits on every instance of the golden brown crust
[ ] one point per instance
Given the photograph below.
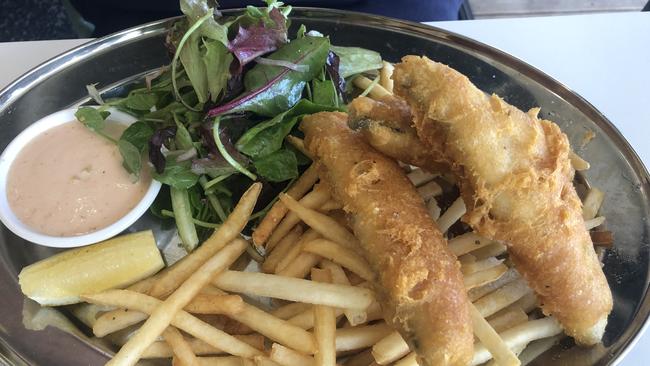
(516, 181)
(421, 286)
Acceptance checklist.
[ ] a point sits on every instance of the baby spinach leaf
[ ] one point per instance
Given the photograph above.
(269, 89)
(92, 118)
(267, 137)
(138, 134)
(195, 67)
(355, 60)
(177, 174)
(278, 166)
(132, 159)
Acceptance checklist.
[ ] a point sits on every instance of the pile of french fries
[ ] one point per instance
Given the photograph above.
(323, 309)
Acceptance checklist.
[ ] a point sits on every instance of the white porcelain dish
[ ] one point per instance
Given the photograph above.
(13, 223)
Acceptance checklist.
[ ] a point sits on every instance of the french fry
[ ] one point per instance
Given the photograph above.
(433, 209)
(520, 334)
(385, 76)
(390, 349)
(591, 205)
(276, 329)
(596, 221)
(299, 144)
(476, 266)
(277, 212)
(323, 224)
(228, 231)
(467, 243)
(353, 338)
(281, 249)
(476, 293)
(577, 162)
(536, 348)
(341, 255)
(264, 361)
(86, 313)
(115, 320)
(182, 320)
(324, 325)
(363, 358)
(217, 361)
(527, 303)
(295, 250)
(118, 319)
(419, 177)
(453, 214)
(290, 310)
(480, 278)
(301, 266)
(491, 340)
(180, 347)
(354, 316)
(499, 299)
(160, 349)
(376, 92)
(330, 206)
(294, 289)
(313, 200)
(507, 319)
(429, 190)
(161, 317)
(409, 360)
(286, 356)
(215, 304)
(488, 251)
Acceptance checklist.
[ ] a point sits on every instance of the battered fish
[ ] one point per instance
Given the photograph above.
(420, 284)
(516, 181)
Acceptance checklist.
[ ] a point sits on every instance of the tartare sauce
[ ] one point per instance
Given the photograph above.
(70, 181)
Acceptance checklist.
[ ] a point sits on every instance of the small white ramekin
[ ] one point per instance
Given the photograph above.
(14, 224)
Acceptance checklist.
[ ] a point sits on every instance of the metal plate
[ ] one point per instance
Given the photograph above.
(110, 61)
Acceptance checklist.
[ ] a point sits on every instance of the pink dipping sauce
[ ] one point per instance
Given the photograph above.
(70, 181)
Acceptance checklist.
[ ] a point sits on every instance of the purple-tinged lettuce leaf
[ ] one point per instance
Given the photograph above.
(259, 39)
(156, 143)
(332, 67)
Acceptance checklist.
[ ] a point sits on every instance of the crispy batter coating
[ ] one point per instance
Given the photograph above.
(516, 181)
(386, 125)
(420, 283)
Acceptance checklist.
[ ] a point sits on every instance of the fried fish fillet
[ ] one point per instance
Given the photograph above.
(516, 181)
(420, 284)
(387, 126)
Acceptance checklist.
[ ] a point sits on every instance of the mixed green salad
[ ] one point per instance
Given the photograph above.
(217, 116)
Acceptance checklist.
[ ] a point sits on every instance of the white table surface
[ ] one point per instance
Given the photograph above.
(603, 57)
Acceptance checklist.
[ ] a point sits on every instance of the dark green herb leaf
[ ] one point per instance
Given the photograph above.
(92, 117)
(132, 159)
(267, 137)
(270, 89)
(183, 138)
(355, 60)
(177, 174)
(141, 101)
(301, 158)
(324, 92)
(138, 134)
(278, 166)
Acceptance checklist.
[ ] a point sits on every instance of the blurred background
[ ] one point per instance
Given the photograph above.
(26, 20)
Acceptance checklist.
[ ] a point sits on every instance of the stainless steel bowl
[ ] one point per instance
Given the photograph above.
(118, 59)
